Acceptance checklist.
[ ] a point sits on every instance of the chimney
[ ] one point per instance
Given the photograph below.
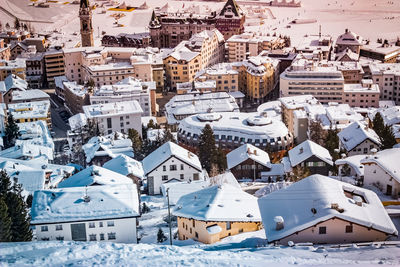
(279, 223)
(255, 152)
(358, 200)
(301, 150)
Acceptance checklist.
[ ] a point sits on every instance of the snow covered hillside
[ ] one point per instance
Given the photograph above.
(244, 253)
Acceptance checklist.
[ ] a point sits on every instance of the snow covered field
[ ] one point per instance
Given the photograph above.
(247, 249)
(369, 18)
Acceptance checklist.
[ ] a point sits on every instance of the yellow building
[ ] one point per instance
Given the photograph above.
(213, 213)
(224, 75)
(31, 111)
(16, 67)
(202, 50)
(258, 77)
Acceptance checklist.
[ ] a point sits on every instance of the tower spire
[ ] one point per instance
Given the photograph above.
(84, 3)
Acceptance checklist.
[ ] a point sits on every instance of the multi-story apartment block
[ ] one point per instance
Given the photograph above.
(387, 76)
(240, 47)
(16, 67)
(35, 71)
(127, 90)
(224, 74)
(383, 52)
(169, 29)
(362, 95)
(116, 117)
(76, 96)
(202, 50)
(258, 77)
(53, 65)
(31, 111)
(309, 78)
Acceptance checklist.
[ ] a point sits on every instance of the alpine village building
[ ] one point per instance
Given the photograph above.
(167, 30)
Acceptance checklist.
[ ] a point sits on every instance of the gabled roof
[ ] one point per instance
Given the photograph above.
(354, 162)
(388, 160)
(69, 204)
(178, 189)
(14, 82)
(95, 175)
(306, 150)
(219, 203)
(355, 134)
(166, 151)
(247, 151)
(125, 165)
(295, 203)
(234, 7)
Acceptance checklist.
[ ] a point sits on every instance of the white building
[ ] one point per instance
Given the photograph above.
(170, 162)
(358, 139)
(182, 106)
(319, 209)
(96, 213)
(127, 89)
(125, 165)
(383, 170)
(116, 117)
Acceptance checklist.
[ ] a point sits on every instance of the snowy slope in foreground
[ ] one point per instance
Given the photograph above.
(222, 254)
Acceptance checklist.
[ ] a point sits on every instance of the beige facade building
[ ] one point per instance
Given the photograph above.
(363, 95)
(245, 45)
(350, 40)
(305, 77)
(201, 51)
(216, 212)
(225, 76)
(5, 52)
(387, 76)
(343, 214)
(53, 66)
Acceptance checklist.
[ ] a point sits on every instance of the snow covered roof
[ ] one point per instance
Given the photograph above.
(70, 204)
(349, 38)
(347, 52)
(30, 110)
(95, 175)
(125, 165)
(28, 150)
(277, 169)
(77, 121)
(388, 160)
(182, 52)
(29, 95)
(219, 203)
(12, 81)
(167, 150)
(296, 203)
(179, 189)
(354, 162)
(254, 126)
(355, 134)
(31, 179)
(110, 145)
(306, 150)
(296, 102)
(247, 151)
(112, 109)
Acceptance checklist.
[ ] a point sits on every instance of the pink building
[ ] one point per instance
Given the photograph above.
(364, 94)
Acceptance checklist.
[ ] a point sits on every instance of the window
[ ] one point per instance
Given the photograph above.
(101, 236)
(164, 177)
(194, 223)
(59, 227)
(322, 230)
(100, 224)
(109, 125)
(349, 228)
(111, 236)
(59, 238)
(92, 237)
(110, 223)
(44, 228)
(196, 234)
(45, 239)
(172, 167)
(182, 176)
(91, 225)
(228, 225)
(164, 168)
(182, 167)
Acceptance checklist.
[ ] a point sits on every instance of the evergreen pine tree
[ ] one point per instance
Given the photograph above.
(11, 132)
(5, 222)
(387, 138)
(18, 212)
(145, 208)
(207, 148)
(378, 124)
(332, 145)
(151, 125)
(168, 137)
(160, 236)
(5, 184)
(220, 160)
(137, 142)
(17, 24)
(317, 133)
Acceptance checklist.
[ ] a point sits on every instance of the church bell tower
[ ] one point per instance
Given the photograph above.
(85, 15)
